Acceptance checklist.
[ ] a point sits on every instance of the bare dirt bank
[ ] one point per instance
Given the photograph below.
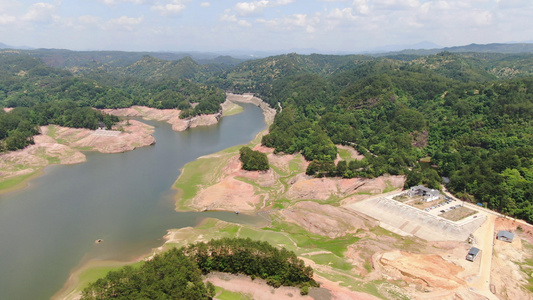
(268, 112)
(62, 145)
(170, 116)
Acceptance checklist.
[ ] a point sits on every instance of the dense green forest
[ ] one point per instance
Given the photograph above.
(253, 160)
(43, 95)
(176, 274)
(470, 114)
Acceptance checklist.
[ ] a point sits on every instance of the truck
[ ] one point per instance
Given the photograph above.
(472, 254)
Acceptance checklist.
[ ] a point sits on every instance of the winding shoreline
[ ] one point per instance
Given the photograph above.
(62, 145)
(71, 287)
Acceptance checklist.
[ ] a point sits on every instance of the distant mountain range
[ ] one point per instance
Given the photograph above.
(62, 57)
(513, 48)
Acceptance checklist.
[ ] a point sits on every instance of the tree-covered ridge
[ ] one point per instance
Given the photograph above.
(452, 107)
(171, 275)
(176, 274)
(54, 96)
(255, 258)
(397, 112)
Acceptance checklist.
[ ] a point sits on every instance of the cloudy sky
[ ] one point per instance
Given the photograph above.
(211, 25)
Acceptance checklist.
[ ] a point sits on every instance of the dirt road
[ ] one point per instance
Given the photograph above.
(484, 237)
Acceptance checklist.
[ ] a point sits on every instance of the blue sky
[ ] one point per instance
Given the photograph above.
(269, 25)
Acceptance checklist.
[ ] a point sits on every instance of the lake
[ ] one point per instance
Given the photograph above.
(49, 228)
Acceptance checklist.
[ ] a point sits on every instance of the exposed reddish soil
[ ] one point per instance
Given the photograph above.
(232, 194)
(305, 187)
(63, 147)
(170, 116)
(257, 289)
(422, 269)
(326, 220)
(507, 275)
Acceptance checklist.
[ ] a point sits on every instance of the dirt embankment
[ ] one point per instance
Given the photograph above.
(170, 116)
(268, 112)
(423, 269)
(326, 220)
(232, 192)
(61, 145)
(306, 187)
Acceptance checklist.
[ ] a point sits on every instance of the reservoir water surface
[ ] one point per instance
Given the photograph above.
(49, 228)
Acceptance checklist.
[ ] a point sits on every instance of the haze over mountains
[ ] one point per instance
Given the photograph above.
(237, 55)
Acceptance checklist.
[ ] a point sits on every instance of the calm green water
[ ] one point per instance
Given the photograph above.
(49, 228)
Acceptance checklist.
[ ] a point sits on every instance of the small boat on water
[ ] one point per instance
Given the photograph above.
(237, 212)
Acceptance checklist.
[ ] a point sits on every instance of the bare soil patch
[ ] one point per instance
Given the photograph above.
(458, 214)
(255, 289)
(326, 220)
(170, 116)
(268, 112)
(229, 193)
(62, 145)
(305, 188)
(511, 262)
(422, 269)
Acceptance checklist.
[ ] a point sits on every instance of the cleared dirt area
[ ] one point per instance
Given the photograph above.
(425, 270)
(326, 220)
(246, 288)
(512, 263)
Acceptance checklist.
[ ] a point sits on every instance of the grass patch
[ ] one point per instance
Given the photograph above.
(307, 240)
(233, 110)
(388, 187)
(458, 214)
(329, 259)
(224, 294)
(345, 154)
(17, 182)
(91, 275)
(200, 172)
(52, 131)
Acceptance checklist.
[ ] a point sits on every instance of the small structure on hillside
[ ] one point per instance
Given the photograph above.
(428, 194)
(101, 126)
(505, 236)
(472, 254)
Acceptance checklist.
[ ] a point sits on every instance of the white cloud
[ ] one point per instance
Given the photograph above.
(89, 19)
(205, 4)
(361, 6)
(124, 22)
(228, 17)
(342, 14)
(40, 12)
(257, 7)
(7, 19)
(114, 2)
(169, 8)
(250, 8)
(244, 23)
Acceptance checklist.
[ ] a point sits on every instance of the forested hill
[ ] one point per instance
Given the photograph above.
(470, 114)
